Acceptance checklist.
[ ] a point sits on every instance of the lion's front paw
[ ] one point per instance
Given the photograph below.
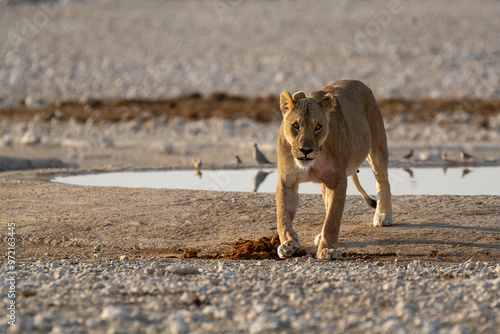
(287, 249)
(317, 240)
(382, 219)
(329, 254)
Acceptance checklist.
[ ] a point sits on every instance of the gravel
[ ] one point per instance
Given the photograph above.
(294, 296)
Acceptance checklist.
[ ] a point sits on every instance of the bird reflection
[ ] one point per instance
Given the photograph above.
(409, 171)
(465, 172)
(259, 178)
(198, 173)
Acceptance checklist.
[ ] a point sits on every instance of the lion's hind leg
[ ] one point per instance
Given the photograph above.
(378, 160)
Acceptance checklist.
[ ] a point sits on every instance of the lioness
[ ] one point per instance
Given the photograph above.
(324, 137)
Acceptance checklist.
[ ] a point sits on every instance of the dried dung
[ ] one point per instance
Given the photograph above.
(262, 249)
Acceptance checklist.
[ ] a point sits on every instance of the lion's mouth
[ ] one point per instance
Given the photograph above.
(304, 158)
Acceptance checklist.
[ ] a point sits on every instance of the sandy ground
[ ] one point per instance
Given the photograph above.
(57, 220)
(54, 219)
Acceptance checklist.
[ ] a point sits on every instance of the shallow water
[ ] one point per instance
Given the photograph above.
(417, 181)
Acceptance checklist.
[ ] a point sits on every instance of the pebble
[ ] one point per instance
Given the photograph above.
(43, 321)
(182, 270)
(111, 313)
(264, 323)
(190, 298)
(30, 138)
(178, 326)
(261, 296)
(459, 329)
(6, 141)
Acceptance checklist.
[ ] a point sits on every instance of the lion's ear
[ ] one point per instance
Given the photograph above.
(286, 102)
(298, 96)
(327, 102)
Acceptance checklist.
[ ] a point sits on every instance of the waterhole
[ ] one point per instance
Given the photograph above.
(404, 181)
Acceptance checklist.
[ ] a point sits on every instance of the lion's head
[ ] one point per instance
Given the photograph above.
(305, 122)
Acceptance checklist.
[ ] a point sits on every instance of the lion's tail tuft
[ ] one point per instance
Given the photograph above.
(370, 201)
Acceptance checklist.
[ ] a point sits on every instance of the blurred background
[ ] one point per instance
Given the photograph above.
(71, 62)
(79, 50)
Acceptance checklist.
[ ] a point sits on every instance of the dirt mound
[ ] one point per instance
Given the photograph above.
(262, 109)
(264, 248)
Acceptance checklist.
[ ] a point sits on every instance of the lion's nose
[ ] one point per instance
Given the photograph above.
(305, 151)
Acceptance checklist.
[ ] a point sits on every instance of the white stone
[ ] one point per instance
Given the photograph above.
(178, 325)
(459, 329)
(394, 326)
(182, 270)
(32, 102)
(111, 313)
(264, 323)
(189, 298)
(30, 138)
(43, 320)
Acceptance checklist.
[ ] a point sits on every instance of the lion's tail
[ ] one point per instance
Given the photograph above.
(370, 201)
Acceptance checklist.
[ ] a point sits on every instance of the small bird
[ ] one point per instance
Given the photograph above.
(196, 163)
(238, 160)
(409, 155)
(259, 156)
(444, 157)
(466, 156)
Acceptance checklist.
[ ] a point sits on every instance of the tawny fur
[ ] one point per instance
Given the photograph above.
(324, 137)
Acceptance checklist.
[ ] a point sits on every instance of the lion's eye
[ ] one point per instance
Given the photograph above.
(317, 127)
(295, 125)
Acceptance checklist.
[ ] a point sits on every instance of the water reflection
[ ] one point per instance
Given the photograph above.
(465, 172)
(259, 178)
(409, 171)
(404, 181)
